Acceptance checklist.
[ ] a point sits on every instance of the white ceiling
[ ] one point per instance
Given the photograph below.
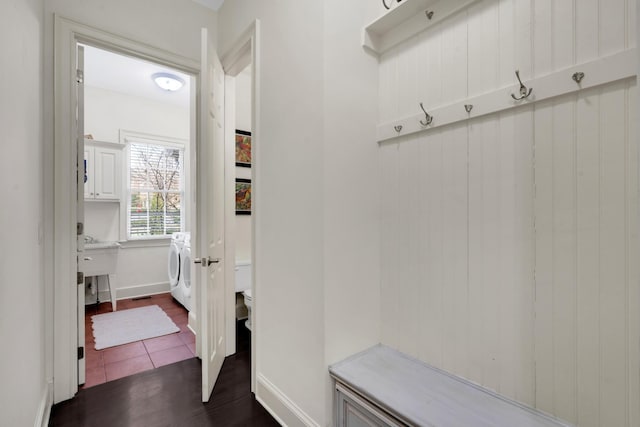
(132, 76)
(212, 4)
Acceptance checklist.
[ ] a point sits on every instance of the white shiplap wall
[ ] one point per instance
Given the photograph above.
(510, 243)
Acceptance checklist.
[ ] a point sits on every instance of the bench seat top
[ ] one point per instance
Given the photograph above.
(422, 395)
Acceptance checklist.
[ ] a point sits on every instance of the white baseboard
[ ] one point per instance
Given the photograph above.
(44, 409)
(280, 406)
(143, 290)
(131, 292)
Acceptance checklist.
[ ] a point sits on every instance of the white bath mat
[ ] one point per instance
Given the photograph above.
(135, 324)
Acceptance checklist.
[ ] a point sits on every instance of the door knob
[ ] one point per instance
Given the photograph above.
(206, 261)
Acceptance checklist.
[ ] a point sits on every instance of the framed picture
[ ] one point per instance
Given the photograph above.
(243, 196)
(243, 148)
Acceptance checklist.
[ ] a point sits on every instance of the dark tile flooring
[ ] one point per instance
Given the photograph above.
(128, 359)
(171, 396)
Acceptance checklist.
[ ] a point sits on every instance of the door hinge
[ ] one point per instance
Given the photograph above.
(80, 280)
(80, 353)
(79, 228)
(79, 76)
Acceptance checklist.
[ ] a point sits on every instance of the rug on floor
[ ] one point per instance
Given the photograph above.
(135, 324)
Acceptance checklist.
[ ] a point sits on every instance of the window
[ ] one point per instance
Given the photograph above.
(155, 189)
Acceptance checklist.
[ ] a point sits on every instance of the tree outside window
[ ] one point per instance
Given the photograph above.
(156, 190)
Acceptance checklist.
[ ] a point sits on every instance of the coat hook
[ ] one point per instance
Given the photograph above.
(398, 128)
(468, 107)
(429, 14)
(427, 118)
(524, 92)
(389, 7)
(577, 77)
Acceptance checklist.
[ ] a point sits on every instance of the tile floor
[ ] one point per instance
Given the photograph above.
(128, 359)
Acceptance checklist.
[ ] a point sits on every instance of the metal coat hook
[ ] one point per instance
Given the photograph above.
(524, 92)
(398, 128)
(389, 7)
(427, 117)
(468, 107)
(429, 14)
(577, 77)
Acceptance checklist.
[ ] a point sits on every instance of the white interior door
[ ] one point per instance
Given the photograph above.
(80, 209)
(211, 216)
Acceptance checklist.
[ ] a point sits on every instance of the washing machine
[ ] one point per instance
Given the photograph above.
(184, 284)
(175, 265)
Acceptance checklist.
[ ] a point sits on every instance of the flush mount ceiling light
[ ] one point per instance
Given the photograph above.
(167, 81)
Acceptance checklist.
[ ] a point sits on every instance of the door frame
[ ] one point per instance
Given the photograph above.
(243, 51)
(67, 33)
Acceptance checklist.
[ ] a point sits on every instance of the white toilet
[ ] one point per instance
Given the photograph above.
(247, 302)
(243, 284)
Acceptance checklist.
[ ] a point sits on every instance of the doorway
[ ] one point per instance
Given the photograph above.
(138, 178)
(67, 301)
(242, 68)
(64, 241)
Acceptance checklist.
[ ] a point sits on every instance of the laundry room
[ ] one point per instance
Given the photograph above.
(137, 173)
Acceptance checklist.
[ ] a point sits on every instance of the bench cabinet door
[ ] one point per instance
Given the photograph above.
(353, 410)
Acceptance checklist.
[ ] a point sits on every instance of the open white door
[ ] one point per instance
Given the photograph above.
(80, 209)
(211, 242)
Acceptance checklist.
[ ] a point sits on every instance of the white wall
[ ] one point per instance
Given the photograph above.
(106, 113)
(22, 285)
(318, 287)
(243, 122)
(289, 288)
(351, 185)
(510, 242)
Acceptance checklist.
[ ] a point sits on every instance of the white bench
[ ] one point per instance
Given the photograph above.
(383, 387)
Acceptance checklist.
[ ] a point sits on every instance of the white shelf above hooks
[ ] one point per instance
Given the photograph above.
(406, 20)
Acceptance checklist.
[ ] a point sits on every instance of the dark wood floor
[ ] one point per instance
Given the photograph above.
(170, 396)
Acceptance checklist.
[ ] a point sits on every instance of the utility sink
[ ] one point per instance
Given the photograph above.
(101, 259)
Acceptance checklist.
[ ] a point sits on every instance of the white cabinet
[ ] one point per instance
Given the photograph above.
(103, 163)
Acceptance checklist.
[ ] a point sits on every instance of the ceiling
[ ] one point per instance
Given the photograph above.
(212, 4)
(119, 73)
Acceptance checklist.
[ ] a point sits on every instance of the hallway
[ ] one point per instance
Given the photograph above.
(170, 396)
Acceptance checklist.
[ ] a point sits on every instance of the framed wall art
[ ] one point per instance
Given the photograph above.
(243, 148)
(243, 196)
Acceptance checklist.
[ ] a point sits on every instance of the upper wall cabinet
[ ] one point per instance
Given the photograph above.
(103, 170)
(406, 20)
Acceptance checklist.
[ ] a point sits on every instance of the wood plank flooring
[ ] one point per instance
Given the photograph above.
(170, 396)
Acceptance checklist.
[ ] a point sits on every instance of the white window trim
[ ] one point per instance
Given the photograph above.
(127, 137)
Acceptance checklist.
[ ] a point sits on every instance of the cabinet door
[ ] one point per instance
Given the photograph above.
(355, 411)
(89, 182)
(107, 173)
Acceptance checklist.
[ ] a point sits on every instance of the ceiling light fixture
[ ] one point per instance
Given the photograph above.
(167, 81)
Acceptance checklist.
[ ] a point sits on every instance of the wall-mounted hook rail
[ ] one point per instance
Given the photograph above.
(597, 73)
(429, 14)
(577, 77)
(524, 91)
(428, 119)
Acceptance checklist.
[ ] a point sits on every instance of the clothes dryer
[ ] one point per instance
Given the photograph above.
(185, 277)
(175, 265)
